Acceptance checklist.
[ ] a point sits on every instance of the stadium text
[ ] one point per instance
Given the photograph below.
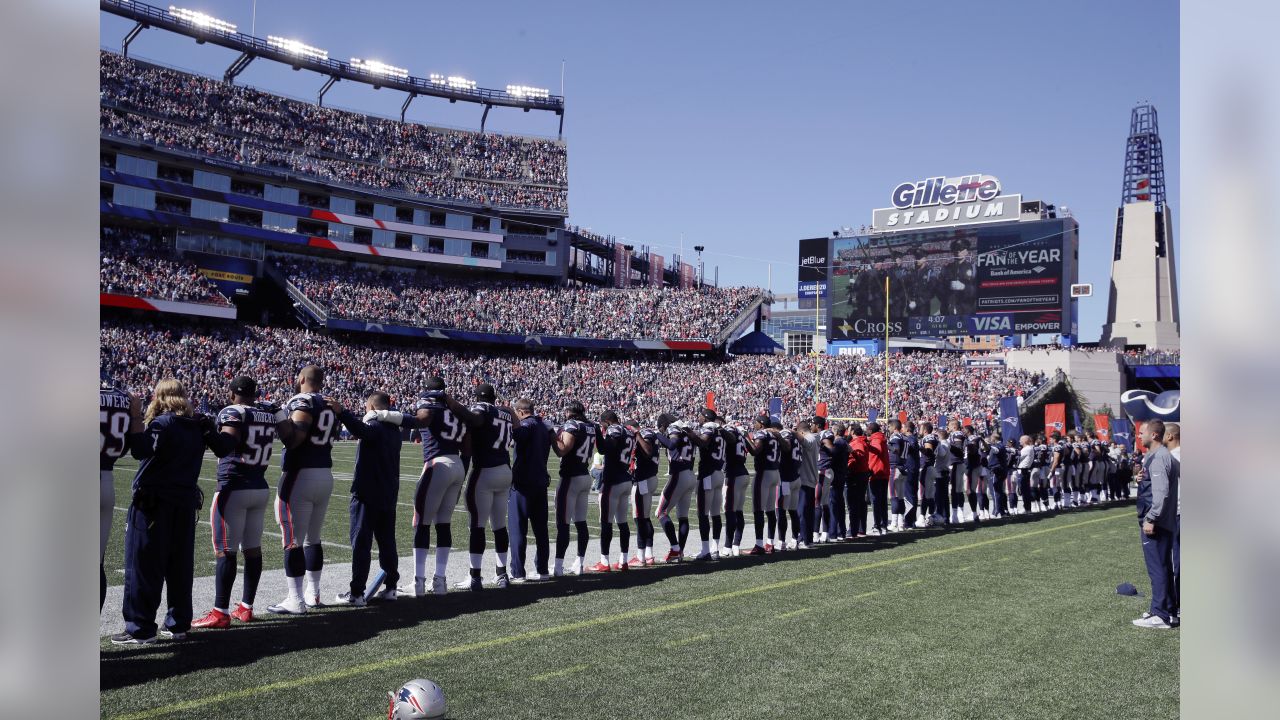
(946, 191)
(995, 209)
(1019, 257)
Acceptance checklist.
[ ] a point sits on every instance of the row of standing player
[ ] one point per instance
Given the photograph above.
(798, 477)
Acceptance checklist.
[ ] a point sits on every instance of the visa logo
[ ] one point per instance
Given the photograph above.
(992, 323)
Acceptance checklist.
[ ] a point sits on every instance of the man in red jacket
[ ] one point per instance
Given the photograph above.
(856, 489)
(878, 466)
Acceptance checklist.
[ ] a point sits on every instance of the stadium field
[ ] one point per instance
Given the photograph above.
(1014, 619)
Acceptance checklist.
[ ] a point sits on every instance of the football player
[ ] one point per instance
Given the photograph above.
(646, 478)
(767, 451)
(618, 444)
(575, 443)
(240, 503)
(955, 469)
(736, 479)
(788, 488)
(678, 491)
(488, 485)
(897, 476)
(306, 483)
(116, 413)
(436, 495)
(711, 454)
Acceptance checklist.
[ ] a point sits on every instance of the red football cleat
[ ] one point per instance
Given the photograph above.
(214, 619)
(650, 561)
(673, 556)
(768, 548)
(599, 567)
(242, 613)
(622, 567)
(757, 550)
(635, 562)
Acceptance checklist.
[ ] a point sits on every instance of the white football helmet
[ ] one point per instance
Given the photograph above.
(416, 699)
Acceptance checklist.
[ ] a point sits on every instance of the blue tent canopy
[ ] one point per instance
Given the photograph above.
(755, 343)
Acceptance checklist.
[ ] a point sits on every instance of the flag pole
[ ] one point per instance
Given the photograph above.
(817, 366)
(885, 407)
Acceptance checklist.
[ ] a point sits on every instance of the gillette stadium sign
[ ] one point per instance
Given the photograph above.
(945, 202)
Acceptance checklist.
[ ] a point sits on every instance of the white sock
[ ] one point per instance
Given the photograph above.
(502, 559)
(313, 581)
(222, 610)
(581, 562)
(295, 588)
(246, 605)
(420, 562)
(706, 547)
(442, 560)
(648, 552)
(559, 567)
(715, 547)
(622, 558)
(476, 559)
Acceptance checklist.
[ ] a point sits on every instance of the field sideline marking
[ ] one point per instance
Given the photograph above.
(686, 641)
(794, 613)
(222, 697)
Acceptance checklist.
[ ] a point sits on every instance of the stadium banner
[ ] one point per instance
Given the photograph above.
(966, 422)
(811, 274)
(166, 306)
(820, 410)
(711, 400)
(227, 273)
(1055, 418)
(621, 266)
(941, 424)
(1122, 432)
(687, 276)
(984, 362)
(1102, 427)
(1010, 421)
(902, 418)
(872, 414)
(531, 341)
(1005, 279)
(775, 408)
(1075, 420)
(656, 269)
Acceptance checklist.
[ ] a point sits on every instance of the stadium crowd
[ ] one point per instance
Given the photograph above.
(524, 308)
(189, 112)
(140, 263)
(137, 355)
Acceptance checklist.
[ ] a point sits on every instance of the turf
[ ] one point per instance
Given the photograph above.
(1016, 619)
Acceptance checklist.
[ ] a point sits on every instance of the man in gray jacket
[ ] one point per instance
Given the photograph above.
(1158, 513)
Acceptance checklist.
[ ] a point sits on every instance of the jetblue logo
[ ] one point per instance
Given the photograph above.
(813, 260)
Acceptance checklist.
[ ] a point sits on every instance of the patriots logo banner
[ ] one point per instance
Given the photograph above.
(1055, 418)
(1075, 420)
(1010, 421)
(1102, 427)
(872, 414)
(1122, 432)
(775, 408)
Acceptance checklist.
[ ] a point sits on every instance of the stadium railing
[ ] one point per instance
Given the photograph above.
(314, 309)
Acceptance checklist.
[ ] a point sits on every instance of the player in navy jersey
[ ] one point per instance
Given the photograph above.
(443, 435)
(488, 486)
(118, 415)
(826, 519)
(240, 503)
(955, 469)
(936, 451)
(306, 483)
(973, 472)
(710, 491)
(645, 478)
(736, 479)
(913, 501)
(928, 442)
(897, 447)
(997, 465)
(788, 488)
(575, 443)
(678, 491)
(618, 445)
(767, 451)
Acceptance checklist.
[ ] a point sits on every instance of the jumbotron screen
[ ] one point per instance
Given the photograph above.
(1000, 279)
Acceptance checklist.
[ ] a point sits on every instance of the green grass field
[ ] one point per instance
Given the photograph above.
(1011, 620)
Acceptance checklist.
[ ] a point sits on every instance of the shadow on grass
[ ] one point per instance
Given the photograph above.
(339, 626)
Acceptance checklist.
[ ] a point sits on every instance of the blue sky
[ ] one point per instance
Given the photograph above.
(747, 126)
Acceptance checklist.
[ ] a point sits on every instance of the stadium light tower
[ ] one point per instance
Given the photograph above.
(702, 270)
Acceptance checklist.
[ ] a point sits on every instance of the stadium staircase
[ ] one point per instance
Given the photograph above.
(1038, 395)
(732, 329)
(304, 304)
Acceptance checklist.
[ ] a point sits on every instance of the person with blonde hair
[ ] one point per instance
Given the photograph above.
(160, 529)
